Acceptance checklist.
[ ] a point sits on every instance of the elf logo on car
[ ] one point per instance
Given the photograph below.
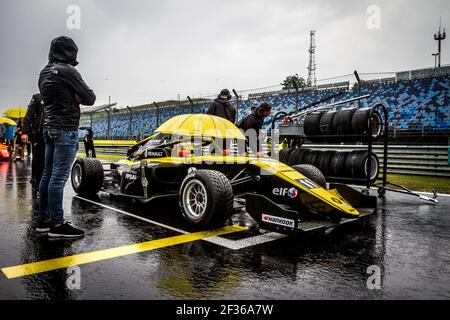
(278, 221)
(292, 192)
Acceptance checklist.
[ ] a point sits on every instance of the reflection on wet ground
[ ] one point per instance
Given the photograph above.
(408, 240)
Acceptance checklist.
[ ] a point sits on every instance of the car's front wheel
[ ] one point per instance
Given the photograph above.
(206, 198)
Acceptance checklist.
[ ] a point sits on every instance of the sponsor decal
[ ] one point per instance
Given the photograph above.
(290, 192)
(155, 153)
(336, 200)
(340, 202)
(130, 176)
(308, 184)
(278, 221)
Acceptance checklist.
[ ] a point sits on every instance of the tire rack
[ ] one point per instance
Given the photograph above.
(367, 138)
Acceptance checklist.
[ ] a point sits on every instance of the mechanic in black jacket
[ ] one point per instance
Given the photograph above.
(63, 90)
(222, 107)
(32, 132)
(252, 124)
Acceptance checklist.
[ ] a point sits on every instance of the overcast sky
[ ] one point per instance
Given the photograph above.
(141, 51)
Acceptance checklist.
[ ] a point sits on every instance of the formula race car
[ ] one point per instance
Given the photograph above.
(189, 157)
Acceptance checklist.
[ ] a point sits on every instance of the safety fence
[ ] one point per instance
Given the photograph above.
(410, 160)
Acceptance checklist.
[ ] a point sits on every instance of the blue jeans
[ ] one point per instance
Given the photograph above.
(60, 149)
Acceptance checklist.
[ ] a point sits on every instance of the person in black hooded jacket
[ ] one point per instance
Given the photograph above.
(63, 90)
(221, 107)
(32, 132)
(251, 126)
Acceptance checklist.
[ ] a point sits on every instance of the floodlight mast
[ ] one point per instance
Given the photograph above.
(312, 59)
(439, 37)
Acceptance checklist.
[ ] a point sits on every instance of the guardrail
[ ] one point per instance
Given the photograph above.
(411, 160)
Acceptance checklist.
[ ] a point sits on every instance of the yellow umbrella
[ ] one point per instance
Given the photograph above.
(203, 125)
(8, 121)
(17, 112)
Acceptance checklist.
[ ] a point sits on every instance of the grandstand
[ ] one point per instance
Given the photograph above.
(417, 101)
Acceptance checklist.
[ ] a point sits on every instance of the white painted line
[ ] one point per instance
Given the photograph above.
(419, 192)
(223, 242)
(133, 215)
(429, 193)
(246, 242)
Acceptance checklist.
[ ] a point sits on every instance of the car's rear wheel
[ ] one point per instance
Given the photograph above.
(87, 176)
(206, 198)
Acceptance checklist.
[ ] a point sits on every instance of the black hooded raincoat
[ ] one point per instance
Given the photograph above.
(59, 83)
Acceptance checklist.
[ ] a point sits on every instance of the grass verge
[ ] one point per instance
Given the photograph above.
(421, 183)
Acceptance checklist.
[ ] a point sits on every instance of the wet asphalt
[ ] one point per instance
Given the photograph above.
(408, 240)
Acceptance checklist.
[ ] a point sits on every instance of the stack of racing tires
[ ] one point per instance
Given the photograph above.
(346, 125)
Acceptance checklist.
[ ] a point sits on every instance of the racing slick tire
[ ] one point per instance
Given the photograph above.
(311, 157)
(362, 123)
(87, 176)
(206, 198)
(326, 123)
(337, 167)
(301, 156)
(293, 157)
(312, 173)
(312, 125)
(324, 160)
(284, 154)
(357, 163)
(342, 122)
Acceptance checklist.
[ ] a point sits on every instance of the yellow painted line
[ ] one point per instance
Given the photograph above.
(89, 257)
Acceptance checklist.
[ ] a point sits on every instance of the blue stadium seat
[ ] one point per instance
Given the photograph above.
(419, 104)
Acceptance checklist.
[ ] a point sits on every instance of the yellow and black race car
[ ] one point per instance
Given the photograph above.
(188, 158)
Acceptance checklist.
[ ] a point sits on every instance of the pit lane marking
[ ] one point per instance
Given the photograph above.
(105, 254)
(133, 215)
(223, 242)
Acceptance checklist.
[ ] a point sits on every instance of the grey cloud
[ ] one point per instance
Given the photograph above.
(140, 51)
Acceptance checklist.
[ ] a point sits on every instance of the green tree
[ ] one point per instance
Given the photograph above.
(289, 82)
